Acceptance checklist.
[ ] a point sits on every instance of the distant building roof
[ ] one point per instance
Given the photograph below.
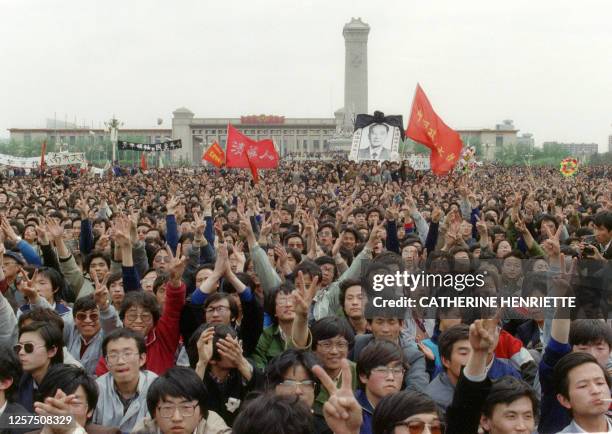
(87, 130)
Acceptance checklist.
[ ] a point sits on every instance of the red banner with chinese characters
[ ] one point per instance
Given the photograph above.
(214, 155)
(426, 127)
(244, 152)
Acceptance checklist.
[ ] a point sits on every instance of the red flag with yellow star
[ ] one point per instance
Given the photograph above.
(426, 127)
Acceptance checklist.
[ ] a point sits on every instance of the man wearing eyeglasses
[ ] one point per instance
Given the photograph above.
(177, 402)
(123, 390)
(93, 318)
(381, 370)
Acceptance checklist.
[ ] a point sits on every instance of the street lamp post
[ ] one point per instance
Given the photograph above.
(112, 126)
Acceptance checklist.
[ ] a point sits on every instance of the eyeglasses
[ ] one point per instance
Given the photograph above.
(307, 385)
(162, 259)
(285, 301)
(328, 345)
(27, 347)
(112, 358)
(218, 309)
(418, 427)
(83, 316)
(144, 316)
(186, 410)
(397, 371)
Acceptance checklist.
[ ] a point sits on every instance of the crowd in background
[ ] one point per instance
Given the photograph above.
(195, 301)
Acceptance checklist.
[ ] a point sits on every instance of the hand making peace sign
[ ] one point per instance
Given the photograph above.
(342, 412)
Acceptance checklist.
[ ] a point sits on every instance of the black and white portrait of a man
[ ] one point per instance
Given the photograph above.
(376, 143)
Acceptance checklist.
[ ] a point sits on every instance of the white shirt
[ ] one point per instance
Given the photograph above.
(3, 408)
(580, 430)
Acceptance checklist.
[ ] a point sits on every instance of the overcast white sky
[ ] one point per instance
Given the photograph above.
(546, 64)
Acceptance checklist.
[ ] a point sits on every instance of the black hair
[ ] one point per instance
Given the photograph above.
(10, 368)
(68, 378)
(143, 299)
(346, 284)
(355, 234)
(93, 255)
(379, 352)
(308, 267)
(178, 382)
(449, 337)
(327, 260)
(42, 314)
(290, 358)
(292, 235)
(56, 279)
(534, 282)
(270, 298)
(589, 332)
(506, 390)
(569, 362)
(228, 288)
(330, 327)
(398, 407)
(546, 217)
(295, 253)
(603, 219)
(377, 211)
(359, 210)
(221, 331)
(516, 254)
(218, 296)
(51, 335)
(187, 236)
(124, 333)
(113, 277)
(274, 414)
(328, 224)
(84, 304)
(161, 279)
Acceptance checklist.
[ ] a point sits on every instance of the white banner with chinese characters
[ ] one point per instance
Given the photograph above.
(52, 159)
(419, 162)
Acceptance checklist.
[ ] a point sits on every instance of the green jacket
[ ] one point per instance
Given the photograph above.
(269, 345)
(323, 395)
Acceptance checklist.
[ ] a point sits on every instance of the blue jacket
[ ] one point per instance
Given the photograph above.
(553, 416)
(367, 411)
(502, 368)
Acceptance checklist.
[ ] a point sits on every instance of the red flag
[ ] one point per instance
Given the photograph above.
(427, 128)
(215, 155)
(242, 151)
(143, 161)
(43, 150)
(253, 170)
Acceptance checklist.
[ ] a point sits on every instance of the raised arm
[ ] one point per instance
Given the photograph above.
(302, 299)
(122, 235)
(171, 225)
(265, 271)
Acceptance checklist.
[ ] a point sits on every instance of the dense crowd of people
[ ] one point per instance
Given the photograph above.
(195, 301)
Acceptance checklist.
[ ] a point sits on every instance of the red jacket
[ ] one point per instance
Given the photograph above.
(163, 339)
(511, 348)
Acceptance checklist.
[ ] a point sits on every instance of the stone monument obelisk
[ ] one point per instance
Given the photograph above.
(355, 82)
